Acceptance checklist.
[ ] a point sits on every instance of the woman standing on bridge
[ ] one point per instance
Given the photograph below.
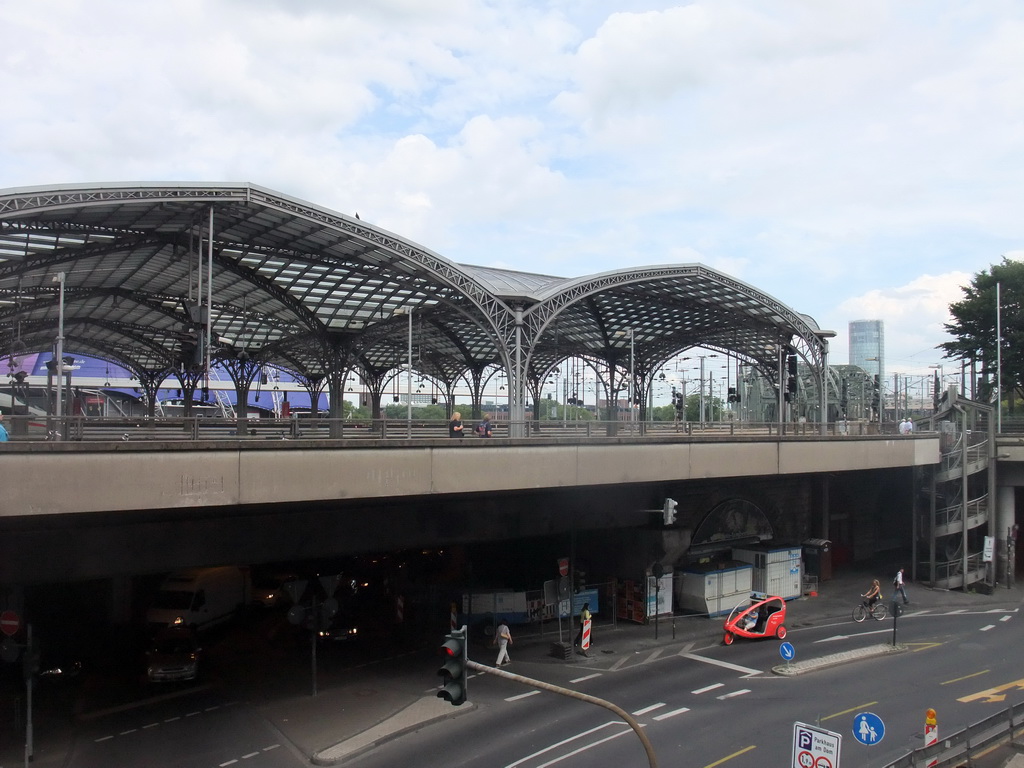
(455, 425)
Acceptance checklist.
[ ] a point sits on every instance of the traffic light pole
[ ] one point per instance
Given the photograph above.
(630, 720)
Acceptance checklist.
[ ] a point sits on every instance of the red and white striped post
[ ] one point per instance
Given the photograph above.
(931, 733)
(400, 609)
(585, 640)
(454, 618)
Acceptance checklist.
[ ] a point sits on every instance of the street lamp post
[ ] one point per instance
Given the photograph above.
(59, 407)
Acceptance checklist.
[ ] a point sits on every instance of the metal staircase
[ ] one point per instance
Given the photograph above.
(958, 495)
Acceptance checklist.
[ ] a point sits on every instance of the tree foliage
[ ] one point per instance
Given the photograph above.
(974, 326)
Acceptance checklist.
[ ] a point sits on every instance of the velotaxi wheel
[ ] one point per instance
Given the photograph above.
(781, 632)
(729, 637)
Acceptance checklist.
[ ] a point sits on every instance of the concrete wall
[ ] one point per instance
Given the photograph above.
(52, 479)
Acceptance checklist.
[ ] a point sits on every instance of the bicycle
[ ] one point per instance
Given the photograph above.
(878, 611)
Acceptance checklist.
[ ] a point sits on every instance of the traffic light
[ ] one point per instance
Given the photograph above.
(453, 672)
(669, 511)
(580, 579)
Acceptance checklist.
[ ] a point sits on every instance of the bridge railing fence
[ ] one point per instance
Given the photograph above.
(83, 428)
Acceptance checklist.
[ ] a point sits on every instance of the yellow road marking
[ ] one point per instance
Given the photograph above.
(922, 646)
(730, 757)
(858, 708)
(965, 677)
(992, 695)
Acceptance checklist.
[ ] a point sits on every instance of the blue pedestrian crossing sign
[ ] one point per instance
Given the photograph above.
(787, 651)
(868, 728)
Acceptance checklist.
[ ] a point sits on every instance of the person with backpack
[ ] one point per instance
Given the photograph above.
(484, 428)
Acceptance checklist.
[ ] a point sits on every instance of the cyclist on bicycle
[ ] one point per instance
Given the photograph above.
(873, 595)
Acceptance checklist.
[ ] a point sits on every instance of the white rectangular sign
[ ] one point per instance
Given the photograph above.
(815, 747)
(987, 549)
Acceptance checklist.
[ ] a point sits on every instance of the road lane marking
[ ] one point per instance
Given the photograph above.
(707, 688)
(965, 677)
(987, 627)
(992, 695)
(740, 692)
(651, 708)
(522, 696)
(730, 757)
(847, 637)
(922, 646)
(102, 738)
(151, 725)
(673, 713)
(718, 663)
(954, 613)
(130, 730)
(1006, 618)
(563, 742)
(619, 664)
(858, 708)
(585, 677)
(272, 746)
(251, 754)
(653, 656)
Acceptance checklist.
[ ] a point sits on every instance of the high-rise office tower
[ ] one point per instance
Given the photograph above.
(867, 346)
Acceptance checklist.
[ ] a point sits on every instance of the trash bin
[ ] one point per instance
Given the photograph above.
(818, 558)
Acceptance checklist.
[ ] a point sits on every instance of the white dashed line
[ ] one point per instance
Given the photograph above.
(229, 762)
(272, 746)
(987, 627)
(651, 708)
(251, 754)
(151, 725)
(725, 664)
(585, 677)
(172, 719)
(522, 696)
(102, 738)
(740, 692)
(1006, 618)
(707, 688)
(193, 714)
(673, 713)
(130, 730)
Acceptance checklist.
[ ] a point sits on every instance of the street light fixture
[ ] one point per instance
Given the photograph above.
(59, 408)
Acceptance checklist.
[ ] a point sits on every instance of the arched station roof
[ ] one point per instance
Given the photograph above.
(315, 292)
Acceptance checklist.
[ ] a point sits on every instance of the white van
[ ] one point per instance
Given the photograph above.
(200, 598)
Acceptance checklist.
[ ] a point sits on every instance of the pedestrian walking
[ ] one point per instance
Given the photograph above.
(897, 582)
(484, 428)
(455, 425)
(504, 636)
(3, 430)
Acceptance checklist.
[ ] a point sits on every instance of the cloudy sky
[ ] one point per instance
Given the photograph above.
(853, 160)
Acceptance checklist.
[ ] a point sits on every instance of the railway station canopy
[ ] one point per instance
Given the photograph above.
(164, 279)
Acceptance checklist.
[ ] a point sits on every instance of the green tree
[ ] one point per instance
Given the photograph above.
(974, 327)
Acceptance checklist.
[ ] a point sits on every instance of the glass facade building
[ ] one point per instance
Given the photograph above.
(867, 346)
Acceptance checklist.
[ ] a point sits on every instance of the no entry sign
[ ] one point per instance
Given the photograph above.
(10, 623)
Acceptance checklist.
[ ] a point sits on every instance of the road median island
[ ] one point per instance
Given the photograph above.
(835, 659)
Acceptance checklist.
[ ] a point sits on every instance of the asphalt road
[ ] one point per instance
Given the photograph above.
(720, 706)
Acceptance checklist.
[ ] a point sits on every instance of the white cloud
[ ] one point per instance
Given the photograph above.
(832, 156)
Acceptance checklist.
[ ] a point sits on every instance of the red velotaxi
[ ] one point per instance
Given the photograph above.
(763, 616)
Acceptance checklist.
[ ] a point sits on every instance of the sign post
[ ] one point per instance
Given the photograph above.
(815, 747)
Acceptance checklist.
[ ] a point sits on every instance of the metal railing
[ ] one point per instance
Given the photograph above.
(303, 427)
(955, 749)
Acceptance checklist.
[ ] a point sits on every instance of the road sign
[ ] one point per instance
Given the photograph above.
(10, 623)
(868, 728)
(815, 747)
(563, 566)
(787, 651)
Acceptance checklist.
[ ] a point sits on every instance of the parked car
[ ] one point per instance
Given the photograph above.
(174, 655)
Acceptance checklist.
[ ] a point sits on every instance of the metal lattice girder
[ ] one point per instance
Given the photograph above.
(316, 292)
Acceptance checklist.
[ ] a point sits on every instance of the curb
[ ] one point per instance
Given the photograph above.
(422, 712)
(835, 659)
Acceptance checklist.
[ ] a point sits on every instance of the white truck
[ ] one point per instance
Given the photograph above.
(200, 598)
